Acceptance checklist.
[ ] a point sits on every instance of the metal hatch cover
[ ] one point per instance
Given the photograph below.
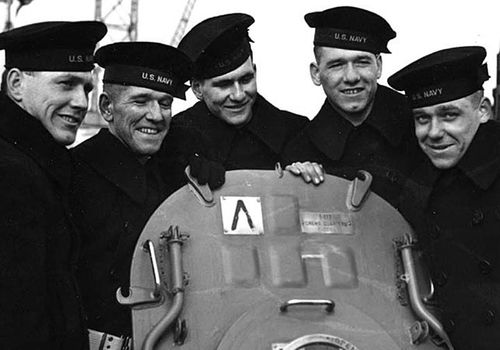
(237, 281)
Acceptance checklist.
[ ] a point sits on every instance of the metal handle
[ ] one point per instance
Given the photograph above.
(358, 190)
(202, 192)
(174, 239)
(327, 303)
(410, 277)
(150, 248)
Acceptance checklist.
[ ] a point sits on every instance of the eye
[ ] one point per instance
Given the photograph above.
(66, 84)
(247, 79)
(222, 84)
(139, 102)
(335, 65)
(421, 119)
(450, 116)
(364, 62)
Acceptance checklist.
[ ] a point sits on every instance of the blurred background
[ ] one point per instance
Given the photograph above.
(282, 40)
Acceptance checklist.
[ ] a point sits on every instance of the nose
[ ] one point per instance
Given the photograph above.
(435, 129)
(237, 92)
(80, 99)
(351, 73)
(154, 112)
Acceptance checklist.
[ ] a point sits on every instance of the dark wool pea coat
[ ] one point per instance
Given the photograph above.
(384, 144)
(113, 197)
(257, 145)
(40, 305)
(459, 234)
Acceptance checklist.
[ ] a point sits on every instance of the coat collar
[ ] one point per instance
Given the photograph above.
(265, 125)
(109, 157)
(330, 131)
(481, 163)
(28, 134)
(217, 131)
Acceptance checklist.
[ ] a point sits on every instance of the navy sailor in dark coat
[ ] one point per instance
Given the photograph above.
(453, 197)
(361, 125)
(121, 179)
(43, 101)
(242, 128)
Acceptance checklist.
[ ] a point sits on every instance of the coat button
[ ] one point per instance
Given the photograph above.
(477, 217)
(489, 317)
(392, 176)
(485, 267)
(440, 278)
(448, 325)
(436, 232)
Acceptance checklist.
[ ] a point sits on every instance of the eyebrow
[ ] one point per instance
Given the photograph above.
(230, 81)
(148, 95)
(77, 79)
(447, 108)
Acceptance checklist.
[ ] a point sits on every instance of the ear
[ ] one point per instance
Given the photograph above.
(14, 80)
(485, 110)
(196, 87)
(106, 106)
(314, 71)
(378, 58)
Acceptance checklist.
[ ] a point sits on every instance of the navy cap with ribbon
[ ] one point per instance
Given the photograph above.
(218, 45)
(146, 64)
(350, 28)
(52, 46)
(442, 76)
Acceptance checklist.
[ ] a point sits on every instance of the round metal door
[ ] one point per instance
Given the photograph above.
(273, 263)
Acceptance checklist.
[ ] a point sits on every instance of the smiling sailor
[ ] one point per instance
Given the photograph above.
(243, 129)
(361, 125)
(43, 101)
(119, 180)
(453, 197)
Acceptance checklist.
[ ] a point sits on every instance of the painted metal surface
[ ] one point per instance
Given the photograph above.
(278, 241)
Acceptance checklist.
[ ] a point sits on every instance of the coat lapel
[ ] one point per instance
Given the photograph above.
(110, 158)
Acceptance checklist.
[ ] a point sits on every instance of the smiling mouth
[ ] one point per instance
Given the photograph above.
(70, 119)
(353, 91)
(439, 148)
(237, 107)
(148, 131)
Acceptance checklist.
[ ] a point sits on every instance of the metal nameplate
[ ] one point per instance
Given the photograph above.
(338, 223)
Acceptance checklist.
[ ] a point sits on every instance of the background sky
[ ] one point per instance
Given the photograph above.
(283, 41)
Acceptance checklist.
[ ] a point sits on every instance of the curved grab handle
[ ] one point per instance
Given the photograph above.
(174, 239)
(358, 190)
(150, 248)
(202, 192)
(410, 277)
(327, 303)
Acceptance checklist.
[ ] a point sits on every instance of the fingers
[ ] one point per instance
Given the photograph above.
(217, 176)
(293, 169)
(206, 171)
(310, 171)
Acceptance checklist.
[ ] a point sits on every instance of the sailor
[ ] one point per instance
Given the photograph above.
(453, 197)
(43, 101)
(362, 125)
(243, 129)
